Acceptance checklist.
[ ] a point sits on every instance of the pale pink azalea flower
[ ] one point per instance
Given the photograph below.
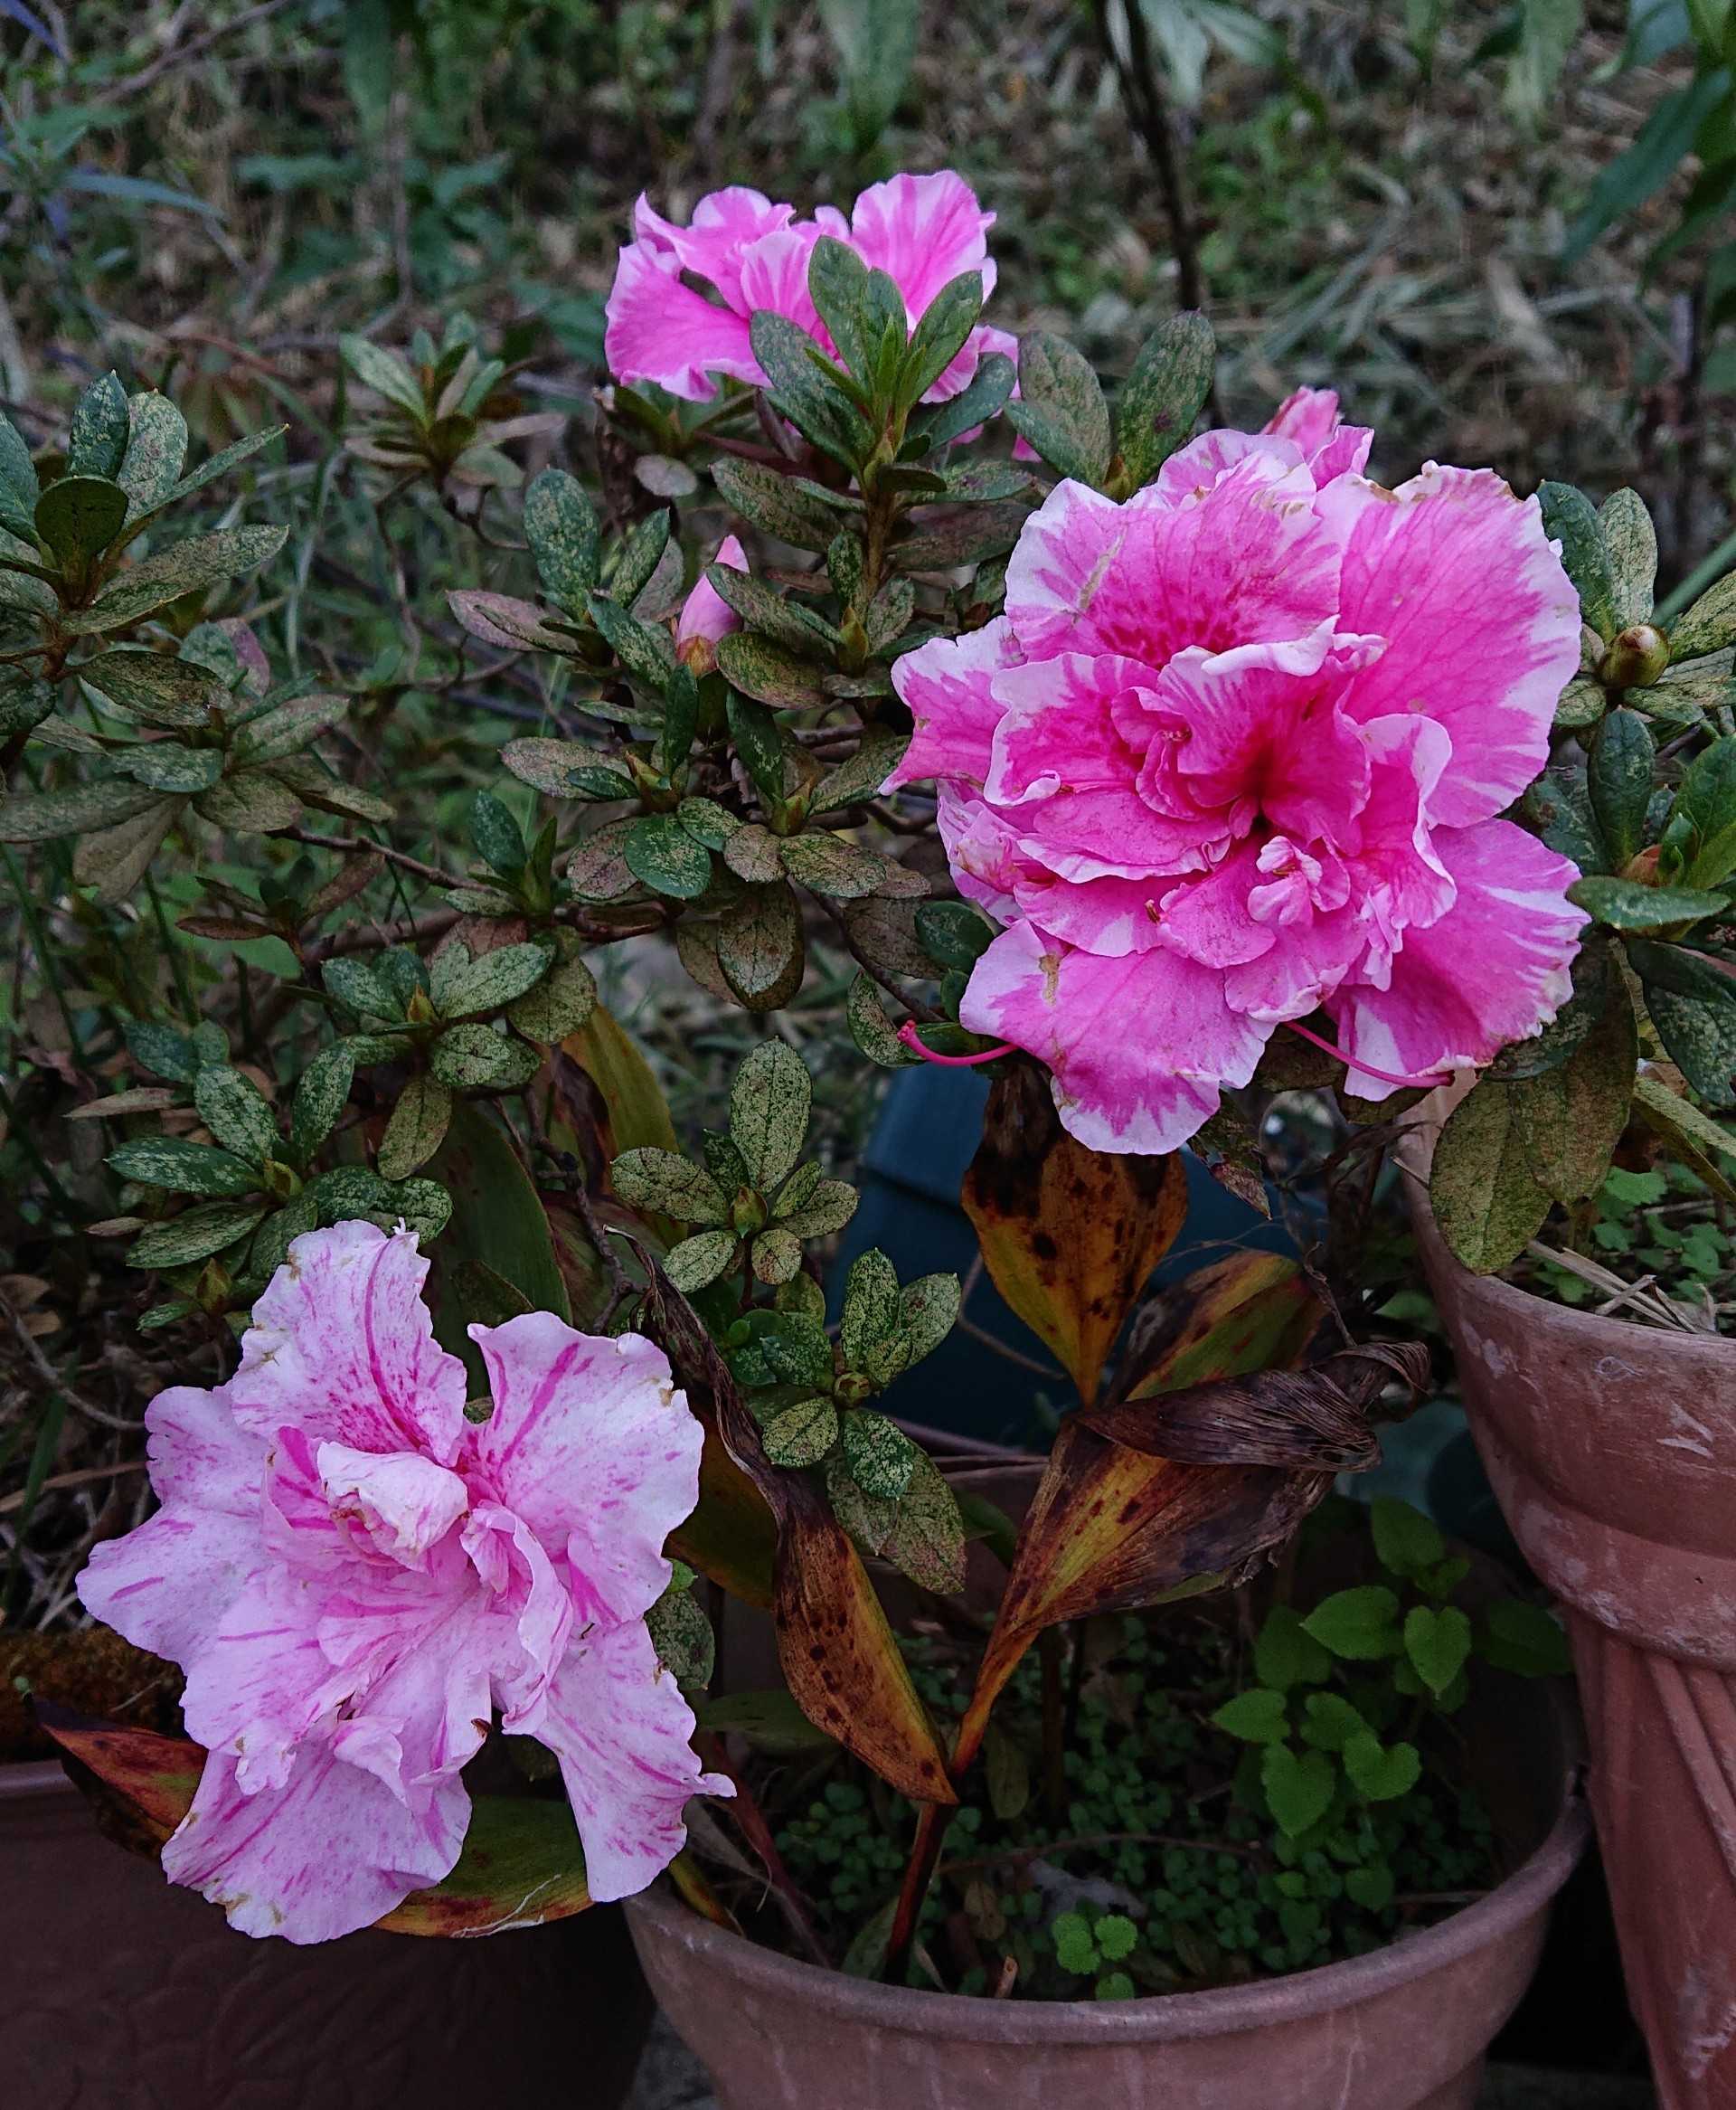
(1235, 752)
(921, 231)
(354, 1576)
(706, 616)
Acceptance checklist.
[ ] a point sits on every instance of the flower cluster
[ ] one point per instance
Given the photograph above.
(354, 1575)
(921, 231)
(1235, 751)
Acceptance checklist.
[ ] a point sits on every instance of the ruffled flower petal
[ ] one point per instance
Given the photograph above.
(947, 687)
(591, 1444)
(922, 231)
(331, 1851)
(1495, 967)
(1481, 623)
(342, 1347)
(615, 1720)
(1139, 1046)
(660, 330)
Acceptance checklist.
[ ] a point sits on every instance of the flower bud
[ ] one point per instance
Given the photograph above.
(1635, 658)
(706, 616)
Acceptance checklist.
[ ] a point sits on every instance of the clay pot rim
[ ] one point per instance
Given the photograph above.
(1159, 2016)
(22, 1777)
(1595, 1333)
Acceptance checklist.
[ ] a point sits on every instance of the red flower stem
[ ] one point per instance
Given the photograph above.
(1426, 1084)
(907, 1033)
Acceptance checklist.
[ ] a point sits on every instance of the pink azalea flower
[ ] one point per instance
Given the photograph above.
(1236, 752)
(922, 231)
(354, 1575)
(706, 616)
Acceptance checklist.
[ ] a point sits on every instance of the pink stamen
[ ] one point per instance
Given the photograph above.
(1350, 1061)
(907, 1033)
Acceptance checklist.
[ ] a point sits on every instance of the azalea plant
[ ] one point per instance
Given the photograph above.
(1156, 773)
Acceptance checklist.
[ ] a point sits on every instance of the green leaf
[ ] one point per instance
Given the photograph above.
(464, 988)
(682, 1634)
(659, 1180)
(384, 373)
(1287, 1654)
(166, 765)
(1061, 411)
(871, 1031)
(417, 1128)
(155, 686)
(1570, 516)
(828, 1208)
(1162, 397)
(182, 1168)
(1693, 1004)
(1329, 1722)
(1360, 1624)
(561, 526)
(18, 483)
(940, 335)
(763, 609)
(1524, 1639)
(233, 1109)
(837, 284)
(644, 650)
(513, 625)
(769, 673)
(801, 1434)
(871, 1306)
(1627, 904)
(322, 1092)
(1559, 807)
(476, 1058)
(156, 447)
(25, 701)
(770, 1099)
(1438, 1642)
(787, 357)
(1571, 1118)
(563, 769)
(220, 464)
(1298, 1789)
(700, 1260)
(661, 853)
(182, 568)
(1381, 1772)
(754, 853)
(1620, 773)
(1706, 803)
(1709, 625)
(285, 729)
(79, 517)
(1632, 543)
(986, 397)
(880, 1456)
(66, 813)
(1486, 1203)
(1680, 1120)
(360, 989)
(637, 556)
(199, 1232)
(773, 504)
(759, 951)
(843, 871)
(954, 933)
(1407, 1542)
(1582, 704)
(559, 1004)
(95, 442)
(1260, 1716)
(927, 1307)
(251, 802)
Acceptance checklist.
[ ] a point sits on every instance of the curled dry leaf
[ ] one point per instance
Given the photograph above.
(1069, 1236)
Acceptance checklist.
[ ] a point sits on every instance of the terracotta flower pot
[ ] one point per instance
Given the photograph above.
(122, 1992)
(1405, 2029)
(1612, 1449)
